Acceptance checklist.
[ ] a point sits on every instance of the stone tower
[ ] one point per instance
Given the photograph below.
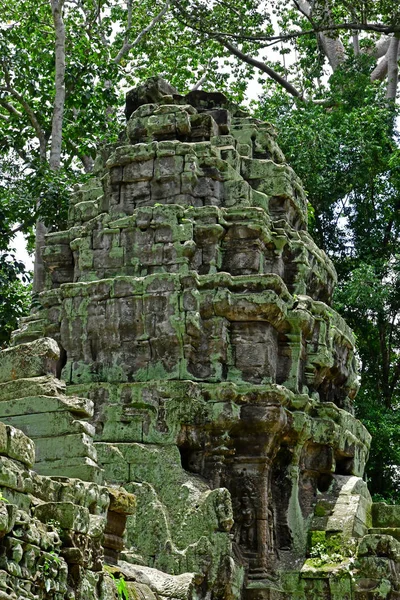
(187, 309)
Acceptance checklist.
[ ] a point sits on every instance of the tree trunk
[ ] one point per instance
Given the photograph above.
(59, 100)
(331, 46)
(38, 268)
(393, 68)
(385, 354)
(356, 44)
(333, 50)
(56, 134)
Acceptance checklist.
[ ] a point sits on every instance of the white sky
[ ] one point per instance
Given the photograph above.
(21, 252)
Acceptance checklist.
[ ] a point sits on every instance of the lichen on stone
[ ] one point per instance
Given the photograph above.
(187, 384)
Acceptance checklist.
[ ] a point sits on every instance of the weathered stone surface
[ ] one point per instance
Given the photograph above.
(67, 514)
(81, 407)
(121, 502)
(386, 515)
(153, 90)
(51, 534)
(79, 467)
(180, 587)
(16, 445)
(29, 360)
(188, 311)
(31, 387)
(40, 408)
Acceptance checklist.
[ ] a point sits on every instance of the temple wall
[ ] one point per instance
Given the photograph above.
(186, 354)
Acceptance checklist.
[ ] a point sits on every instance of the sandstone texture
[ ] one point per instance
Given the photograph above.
(187, 385)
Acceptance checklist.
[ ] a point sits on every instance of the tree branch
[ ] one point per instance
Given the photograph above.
(380, 48)
(395, 378)
(202, 78)
(23, 156)
(152, 24)
(304, 7)
(86, 160)
(128, 45)
(331, 46)
(28, 109)
(356, 44)
(333, 50)
(377, 27)
(16, 229)
(11, 109)
(380, 71)
(355, 36)
(263, 67)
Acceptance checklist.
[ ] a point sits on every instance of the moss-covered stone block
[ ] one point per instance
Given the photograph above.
(67, 514)
(19, 446)
(121, 501)
(385, 515)
(29, 360)
(80, 467)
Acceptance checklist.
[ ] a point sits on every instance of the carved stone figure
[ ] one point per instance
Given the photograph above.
(248, 521)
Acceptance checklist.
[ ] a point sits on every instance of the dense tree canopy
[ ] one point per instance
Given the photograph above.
(328, 70)
(348, 159)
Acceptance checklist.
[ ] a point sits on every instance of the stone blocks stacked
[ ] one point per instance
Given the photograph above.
(34, 400)
(51, 530)
(191, 310)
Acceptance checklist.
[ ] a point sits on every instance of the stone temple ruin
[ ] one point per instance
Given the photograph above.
(177, 416)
